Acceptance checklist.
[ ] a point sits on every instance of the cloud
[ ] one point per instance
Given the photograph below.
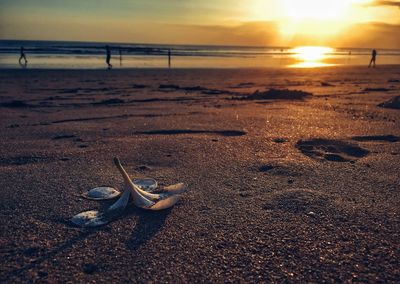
(361, 35)
(63, 28)
(386, 3)
(369, 35)
(256, 33)
(247, 33)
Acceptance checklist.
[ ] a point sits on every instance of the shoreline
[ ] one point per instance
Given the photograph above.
(118, 69)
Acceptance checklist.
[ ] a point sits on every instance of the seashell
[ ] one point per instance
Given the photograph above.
(153, 201)
(96, 218)
(101, 193)
(178, 188)
(107, 193)
(145, 194)
(91, 218)
(165, 203)
(121, 203)
(147, 184)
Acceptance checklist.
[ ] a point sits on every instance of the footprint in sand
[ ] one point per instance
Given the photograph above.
(331, 150)
(299, 201)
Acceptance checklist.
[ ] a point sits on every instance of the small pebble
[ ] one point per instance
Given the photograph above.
(312, 214)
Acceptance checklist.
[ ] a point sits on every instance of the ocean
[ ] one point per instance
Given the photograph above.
(91, 55)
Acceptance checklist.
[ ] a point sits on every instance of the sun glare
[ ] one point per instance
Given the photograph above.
(314, 9)
(317, 17)
(311, 56)
(318, 9)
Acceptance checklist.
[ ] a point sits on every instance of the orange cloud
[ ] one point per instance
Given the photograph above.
(363, 35)
(369, 35)
(249, 33)
(386, 3)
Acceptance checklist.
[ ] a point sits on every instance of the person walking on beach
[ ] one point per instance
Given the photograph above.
(120, 56)
(169, 58)
(108, 57)
(373, 59)
(22, 56)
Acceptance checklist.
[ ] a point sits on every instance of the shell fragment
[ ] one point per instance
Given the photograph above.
(147, 184)
(101, 193)
(89, 219)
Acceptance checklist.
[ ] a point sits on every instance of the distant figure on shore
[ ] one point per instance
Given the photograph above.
(120, 56)
(349, 57)
(373, 59)
(22, 56)
(108, 57)
(169, 58)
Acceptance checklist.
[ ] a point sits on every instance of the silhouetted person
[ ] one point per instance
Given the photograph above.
(169, 58)
(373, 59)
(108, 57)
(22, 56)
(349, 57)
(120, 56)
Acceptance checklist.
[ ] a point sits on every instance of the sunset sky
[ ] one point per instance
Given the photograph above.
(339, 23)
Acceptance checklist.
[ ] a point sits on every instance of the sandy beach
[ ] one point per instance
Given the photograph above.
(283, 187)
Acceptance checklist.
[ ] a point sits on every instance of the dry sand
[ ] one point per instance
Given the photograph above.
(279, 190)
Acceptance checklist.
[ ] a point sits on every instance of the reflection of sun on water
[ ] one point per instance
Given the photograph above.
(311, 56)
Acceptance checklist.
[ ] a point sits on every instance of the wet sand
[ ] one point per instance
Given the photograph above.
(290, 189)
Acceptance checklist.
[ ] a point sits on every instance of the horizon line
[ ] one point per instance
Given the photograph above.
(195, 45)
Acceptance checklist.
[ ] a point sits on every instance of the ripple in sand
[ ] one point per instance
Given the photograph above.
(275, 94)
(370, 90)
(22, 160)
(66, 136)
(227, 133)
(15, 104)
